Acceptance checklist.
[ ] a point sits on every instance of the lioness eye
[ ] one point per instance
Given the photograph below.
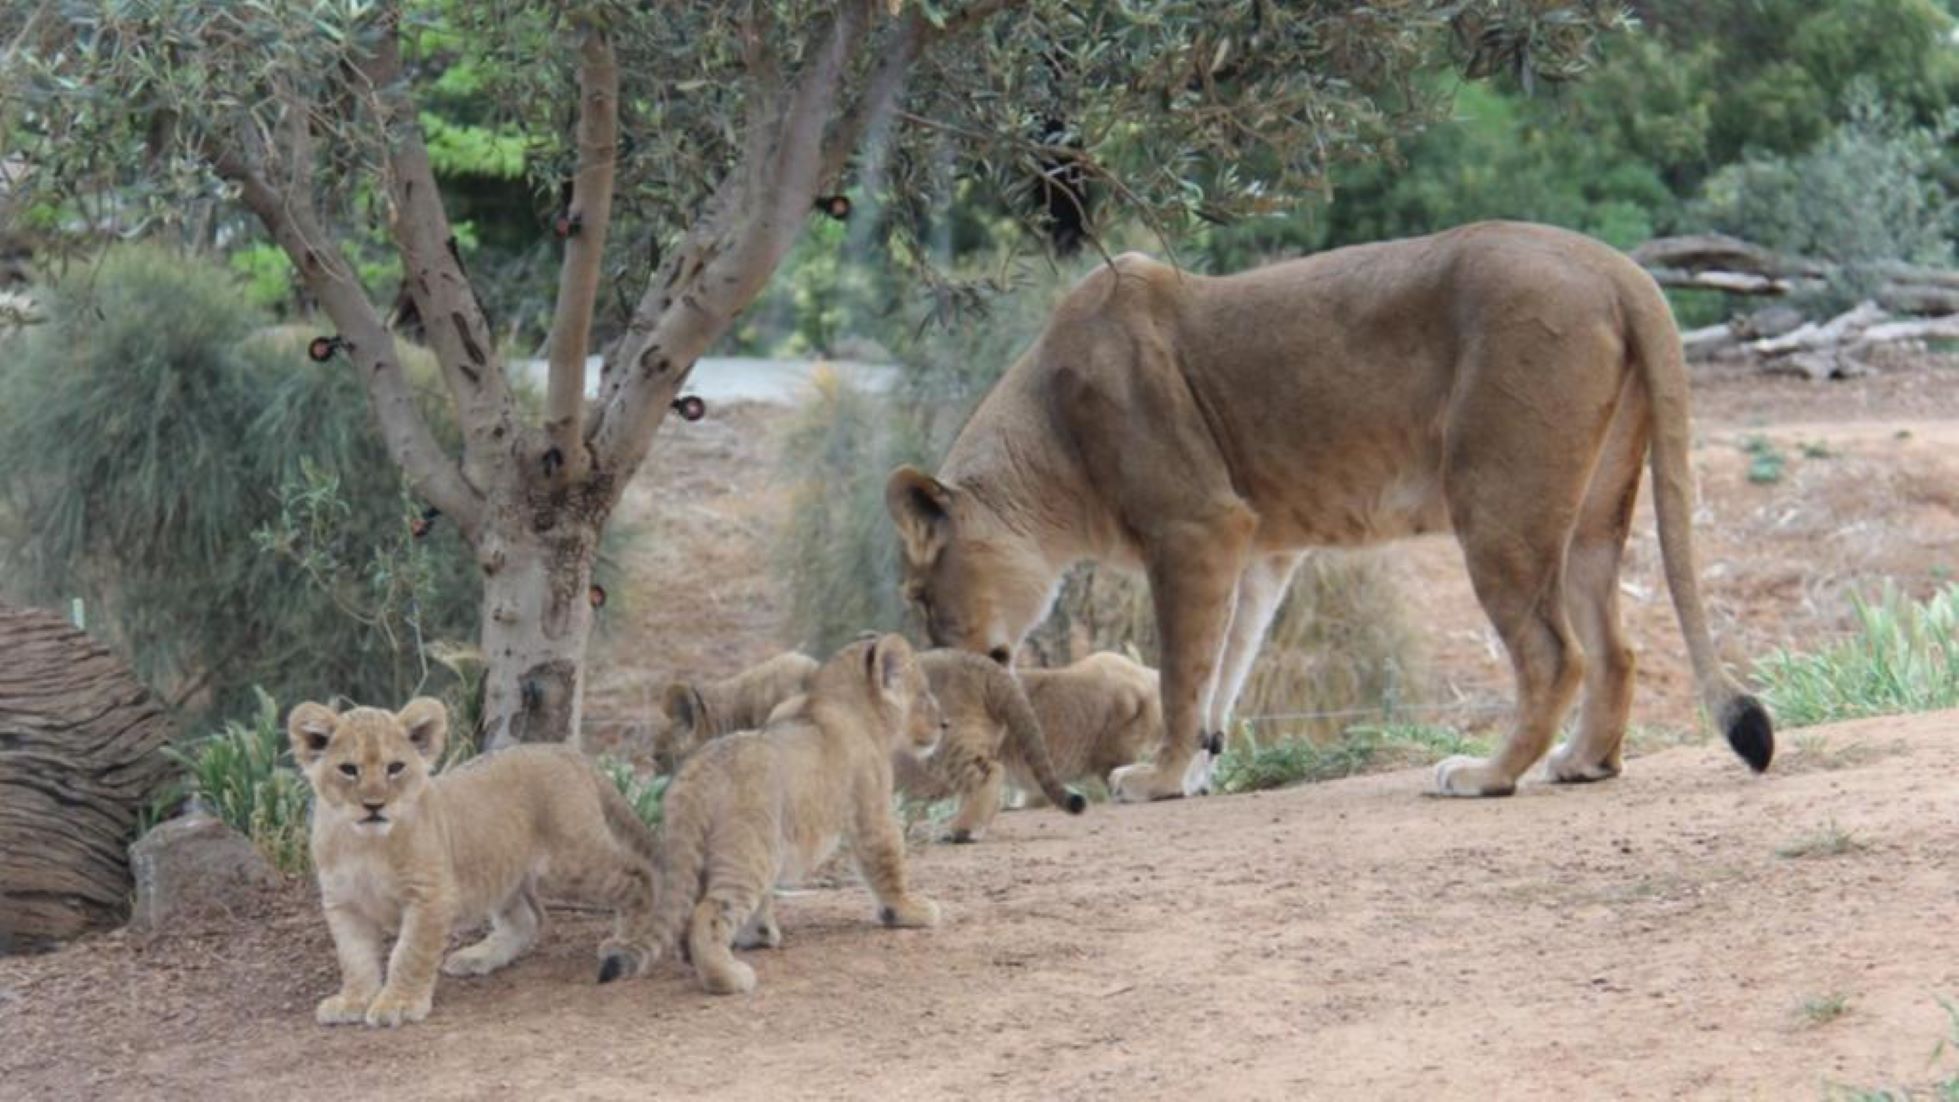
(349, 769)
(395, 767)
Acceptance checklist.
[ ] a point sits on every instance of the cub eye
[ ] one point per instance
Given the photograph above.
(349, 769)
(395, 768)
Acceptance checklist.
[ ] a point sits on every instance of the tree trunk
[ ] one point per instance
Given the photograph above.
(537, 617)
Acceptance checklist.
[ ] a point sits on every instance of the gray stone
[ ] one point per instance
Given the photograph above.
(192, 864)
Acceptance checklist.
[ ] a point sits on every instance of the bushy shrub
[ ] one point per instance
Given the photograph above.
(1902, 657)
(243, 774)
(1867, 194)
(224, 507)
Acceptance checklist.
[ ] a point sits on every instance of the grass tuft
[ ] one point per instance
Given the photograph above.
(1824, 1009)
(1831, 841)
(1903, 657)
(1369, 748)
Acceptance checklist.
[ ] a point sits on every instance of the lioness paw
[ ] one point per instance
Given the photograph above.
(1143, 782)
(916, 913)
(1564, 767)
(389, 1010)
(340, 1010)
(1467, 776)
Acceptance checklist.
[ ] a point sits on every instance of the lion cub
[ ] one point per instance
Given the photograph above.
(1086, 719)
(697, 711)
(756, 807)
(397, 849)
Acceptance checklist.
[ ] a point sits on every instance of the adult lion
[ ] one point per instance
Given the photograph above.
(1500, 379)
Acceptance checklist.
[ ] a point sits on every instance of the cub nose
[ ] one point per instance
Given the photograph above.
(374, 805)
(1000, 655)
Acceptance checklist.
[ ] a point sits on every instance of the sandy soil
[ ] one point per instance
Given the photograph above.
(1653, 937)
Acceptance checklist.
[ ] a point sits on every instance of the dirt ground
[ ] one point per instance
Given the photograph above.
(1658, 936)
(1685, 931)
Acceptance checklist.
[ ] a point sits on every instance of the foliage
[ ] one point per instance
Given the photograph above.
(1249, 764)
(646, 795)
(1868, 194)
(836, 552)
(243, 774)
(1903, 656)
(1766, 462)
(222, 505)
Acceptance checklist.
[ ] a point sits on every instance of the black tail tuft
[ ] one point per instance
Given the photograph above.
(612, 967)
(1076, 803)
(1748, 729)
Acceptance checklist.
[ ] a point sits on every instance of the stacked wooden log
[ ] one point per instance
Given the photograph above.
(79, 758)
(1909, 303)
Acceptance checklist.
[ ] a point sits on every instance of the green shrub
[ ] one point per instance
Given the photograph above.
(1902, 657)
(244, 775)
(224, 507)
(646, 795)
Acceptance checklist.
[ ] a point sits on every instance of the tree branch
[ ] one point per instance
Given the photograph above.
(331, 281)
(587, 218)
(452, 317)
(726, 260)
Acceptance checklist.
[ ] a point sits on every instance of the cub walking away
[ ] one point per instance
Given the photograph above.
(399, 850)
(697, 711)
(756, 807)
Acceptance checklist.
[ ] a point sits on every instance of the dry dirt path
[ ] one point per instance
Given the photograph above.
(1637, 939)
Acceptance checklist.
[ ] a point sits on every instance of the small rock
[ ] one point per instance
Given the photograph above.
(190, 864)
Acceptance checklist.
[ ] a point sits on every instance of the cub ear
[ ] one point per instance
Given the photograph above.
(684, 706)
(426, 723)
(889, 659)
(920, 506)
(310, 727)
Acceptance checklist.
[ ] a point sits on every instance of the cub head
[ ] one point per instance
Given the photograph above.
(978, 583)
(898, 682)
(369, 767)
(677, 728)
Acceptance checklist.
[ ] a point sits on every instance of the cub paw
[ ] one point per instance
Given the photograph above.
(960, 836)
(469, 962)
(389, 1010)
(759, 935)
(1564, 768)
(621, 960)
(1467, 776)
(340, 1010)
(1141, 783)
(915, 913)
(732, 978)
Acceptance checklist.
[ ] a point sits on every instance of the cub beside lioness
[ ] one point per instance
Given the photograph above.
(756, 807)
(399, 850)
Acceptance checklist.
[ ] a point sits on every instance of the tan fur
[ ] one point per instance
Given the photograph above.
(1087, 719)
(696, 712)
(1501, 380)
(399, 850)
(756, 807)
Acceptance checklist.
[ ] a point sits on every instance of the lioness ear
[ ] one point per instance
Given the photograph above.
(310, 727)
(890, 657)
(919, 505)
(684, 706)
(426, 722)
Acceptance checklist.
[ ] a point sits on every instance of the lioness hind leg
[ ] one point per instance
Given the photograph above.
(512, 930)
(1592, 600)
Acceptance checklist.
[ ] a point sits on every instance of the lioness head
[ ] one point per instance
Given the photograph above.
(368, 766)
(979, 584)
(898, 681)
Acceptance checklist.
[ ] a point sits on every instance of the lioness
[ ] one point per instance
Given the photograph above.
(1502, 380)
(1053, 726)
(399, 850)
(696, 712)
(755, 807)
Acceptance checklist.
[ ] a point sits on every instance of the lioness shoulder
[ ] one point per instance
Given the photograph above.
(399, 851)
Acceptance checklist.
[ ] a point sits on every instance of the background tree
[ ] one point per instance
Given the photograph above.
(709, 130)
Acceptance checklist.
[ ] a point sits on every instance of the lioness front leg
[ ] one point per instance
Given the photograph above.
(410, 988)
(1193, 576)
(879, 844)
(358, 944)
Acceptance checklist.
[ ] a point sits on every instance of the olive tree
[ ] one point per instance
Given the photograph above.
(686, 145)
